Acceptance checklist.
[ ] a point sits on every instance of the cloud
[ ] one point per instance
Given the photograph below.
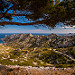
(58, 30)
(39, 31)
(69, 27)
(33, 30)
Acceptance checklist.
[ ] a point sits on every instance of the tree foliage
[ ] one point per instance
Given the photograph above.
(48, 12)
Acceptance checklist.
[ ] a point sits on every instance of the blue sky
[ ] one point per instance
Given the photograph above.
(31, 29)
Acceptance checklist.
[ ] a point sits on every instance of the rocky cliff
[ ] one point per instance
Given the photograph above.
(30, 41)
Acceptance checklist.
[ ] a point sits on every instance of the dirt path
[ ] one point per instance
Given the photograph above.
(65, 55)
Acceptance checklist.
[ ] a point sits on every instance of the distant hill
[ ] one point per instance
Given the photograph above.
(31, 41)
(70, 34)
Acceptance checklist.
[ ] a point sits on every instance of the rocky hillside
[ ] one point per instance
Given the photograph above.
(36, 57)
(24, 41)
(36, 50)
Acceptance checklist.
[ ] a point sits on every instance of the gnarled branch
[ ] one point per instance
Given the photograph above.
(16, 14)
(8, 9)
(17, 23)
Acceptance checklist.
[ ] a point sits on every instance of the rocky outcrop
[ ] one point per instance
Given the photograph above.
(51, 36)
(6, 70)
(30, 41)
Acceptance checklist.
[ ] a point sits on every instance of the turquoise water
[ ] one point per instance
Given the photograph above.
(2, 35)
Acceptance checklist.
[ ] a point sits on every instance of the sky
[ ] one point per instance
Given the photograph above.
(31, 29)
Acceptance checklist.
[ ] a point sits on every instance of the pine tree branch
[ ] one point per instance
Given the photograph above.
(8, 9)
(16, 15)
(21, 24)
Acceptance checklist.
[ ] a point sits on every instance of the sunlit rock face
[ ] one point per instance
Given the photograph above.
(51, 36)
(30, 41)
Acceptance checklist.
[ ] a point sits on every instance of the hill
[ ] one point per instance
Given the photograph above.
(25, 41)
(47, 51)
(46, 57)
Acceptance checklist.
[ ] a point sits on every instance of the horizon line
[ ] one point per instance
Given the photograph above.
(46, 33)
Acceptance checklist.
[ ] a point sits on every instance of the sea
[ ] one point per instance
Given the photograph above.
(2, 35)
